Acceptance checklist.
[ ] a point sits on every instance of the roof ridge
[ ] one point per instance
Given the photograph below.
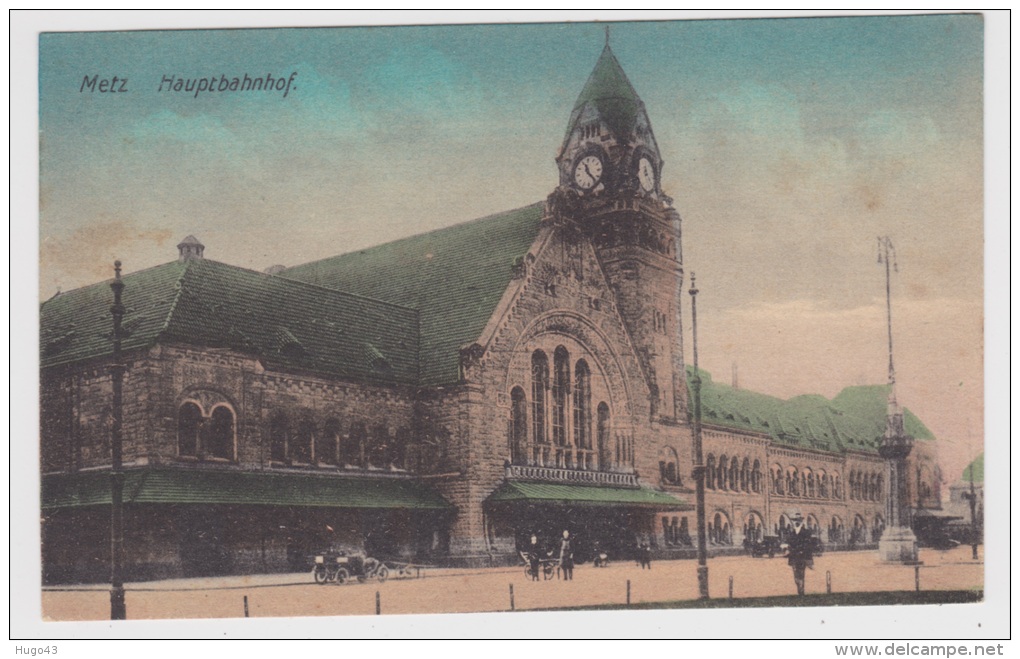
(173, 305)
(476, 220)
(306, 284)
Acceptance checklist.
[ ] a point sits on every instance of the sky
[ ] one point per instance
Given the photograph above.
(789, 146)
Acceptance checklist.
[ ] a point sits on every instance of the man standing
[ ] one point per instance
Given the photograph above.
(534, 557)
(800, 552)
(567, 557)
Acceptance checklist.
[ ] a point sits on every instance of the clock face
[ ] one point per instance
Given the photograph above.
(588, 172)
(646, 175)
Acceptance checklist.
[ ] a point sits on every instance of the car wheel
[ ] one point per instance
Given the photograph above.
(342, 576)
(320, 575)
(382, 573)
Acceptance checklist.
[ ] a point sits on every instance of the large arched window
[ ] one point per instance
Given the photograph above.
(560, 389)
(720, 474)
(745, 475)
(778, 479)
(837, 486)
(189, 420)
(327, 443)
(539, 386)
(710, 472)
(809, 482)
(756, 476)
(518, 427)
(823, 484)
(734, 476)
(603, 430)
(278, 431)
(220, 438)
(582, 414)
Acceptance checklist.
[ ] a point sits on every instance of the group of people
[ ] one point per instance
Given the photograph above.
(800, 555)
(565, 554)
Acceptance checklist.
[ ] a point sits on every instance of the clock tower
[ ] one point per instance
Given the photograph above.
(610, 184)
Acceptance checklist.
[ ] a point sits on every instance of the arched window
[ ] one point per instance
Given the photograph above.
(605, 450)
(669, 473)
(560, 389)
(220, 441)
(327, 444)
(734, 476)
(539, 386)
(809, 482)
(823, 484)
(745, 475)
(710, 472)
(518, 427)
(189, 420)
(352, 450)
(877, 526)
(754, 529)
(582, 414)
(378, 449)
(278, 431)
(837, 486)
(756, 476)
(881, 488)
(721, 471)
(779, 480)
(722, 530)
(301, 444)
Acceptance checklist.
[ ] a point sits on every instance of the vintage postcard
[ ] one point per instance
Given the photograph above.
(500, 318)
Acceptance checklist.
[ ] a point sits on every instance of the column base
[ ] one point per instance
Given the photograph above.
(898, 545)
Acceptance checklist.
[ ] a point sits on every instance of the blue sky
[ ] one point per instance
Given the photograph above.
(789, 145)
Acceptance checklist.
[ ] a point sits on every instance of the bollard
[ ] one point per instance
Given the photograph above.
(828, 582)
(245, 606)
(511, 597)
(378, 604)
(917, 578)
(731, 586)
(628, 592)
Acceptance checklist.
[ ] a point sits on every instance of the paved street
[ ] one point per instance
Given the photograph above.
(462, 591)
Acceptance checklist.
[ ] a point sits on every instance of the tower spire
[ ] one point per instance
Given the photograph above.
(607, 35)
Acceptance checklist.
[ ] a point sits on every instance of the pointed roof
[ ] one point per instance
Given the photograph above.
(613, 96)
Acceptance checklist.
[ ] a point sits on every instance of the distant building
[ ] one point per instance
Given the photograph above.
(442, 397)
(958, 505)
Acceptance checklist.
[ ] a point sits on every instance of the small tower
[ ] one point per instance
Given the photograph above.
(190, 248)
(610, 185)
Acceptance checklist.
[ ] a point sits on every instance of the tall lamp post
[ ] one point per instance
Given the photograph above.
(898, 543)
(699, 463)
(118, 610)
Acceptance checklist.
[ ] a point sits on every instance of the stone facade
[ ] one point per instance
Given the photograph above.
(576, 379)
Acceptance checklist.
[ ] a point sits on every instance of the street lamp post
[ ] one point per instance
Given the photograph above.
(898, 543)
(118, 610)
(699, 464)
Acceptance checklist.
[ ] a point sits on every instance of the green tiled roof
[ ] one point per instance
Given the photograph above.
(584, 495)
(201, 486)
(975, 470)
(853, 420)
(612, 94)
(285, 323)
(453, 277)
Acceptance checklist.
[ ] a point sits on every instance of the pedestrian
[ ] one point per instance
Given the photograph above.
(567, 557)
(646, 556)
(800, 554)
(534, 557)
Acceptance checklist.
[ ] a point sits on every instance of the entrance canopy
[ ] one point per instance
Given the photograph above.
(200, 486)
(584, 495)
